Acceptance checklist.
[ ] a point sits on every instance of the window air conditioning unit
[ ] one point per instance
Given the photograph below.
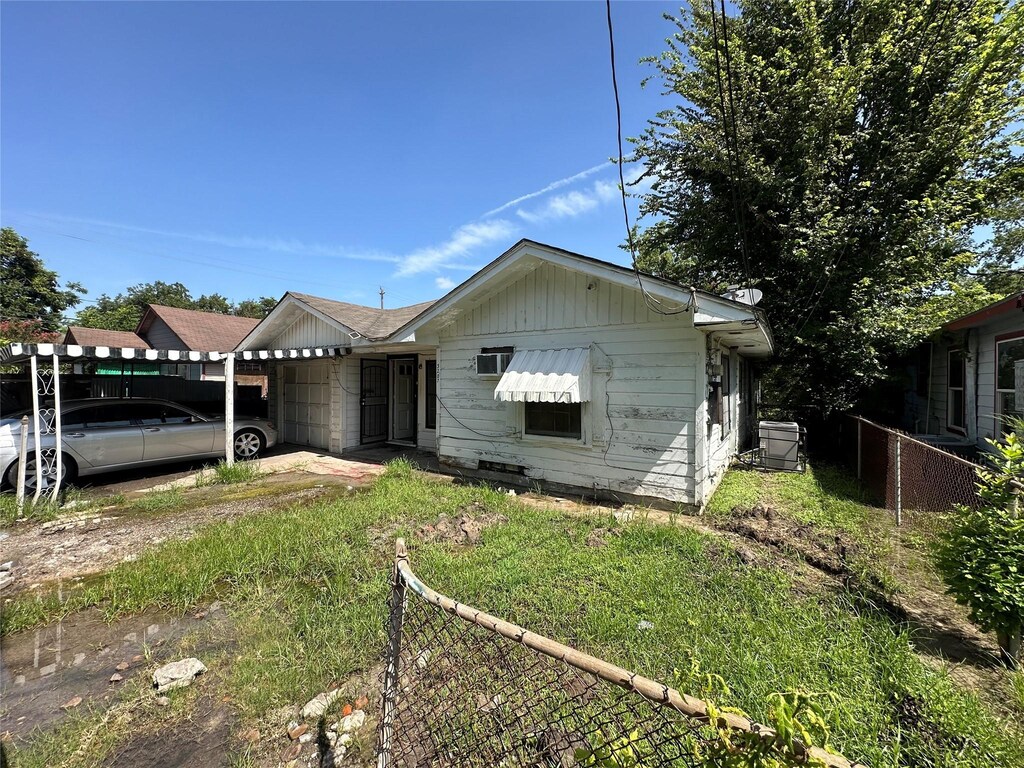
(492, 363)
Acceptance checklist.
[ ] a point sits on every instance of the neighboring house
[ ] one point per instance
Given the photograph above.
(189, 329)
(965, 379)
(544, 366)
(180, 329)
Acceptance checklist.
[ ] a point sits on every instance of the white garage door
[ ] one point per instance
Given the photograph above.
(307, 404)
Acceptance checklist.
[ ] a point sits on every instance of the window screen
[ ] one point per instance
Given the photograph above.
(554, 419)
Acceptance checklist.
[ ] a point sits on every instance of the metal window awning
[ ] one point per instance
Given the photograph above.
(546, 376)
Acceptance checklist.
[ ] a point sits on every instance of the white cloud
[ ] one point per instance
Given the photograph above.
(572, 204)
(444, 283)
(549, 188)
(465, 239)
(246, 242)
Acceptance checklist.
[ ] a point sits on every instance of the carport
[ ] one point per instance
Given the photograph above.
(44, 360)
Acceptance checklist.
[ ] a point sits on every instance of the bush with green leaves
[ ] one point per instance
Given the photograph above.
(981, 551)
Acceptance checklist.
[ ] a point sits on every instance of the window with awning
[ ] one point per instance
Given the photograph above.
(546, 376)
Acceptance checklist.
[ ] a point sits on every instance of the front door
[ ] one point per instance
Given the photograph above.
(403, 399)
(373, 401)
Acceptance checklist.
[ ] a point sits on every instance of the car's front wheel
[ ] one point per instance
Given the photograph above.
(249, 444)
(68, 474)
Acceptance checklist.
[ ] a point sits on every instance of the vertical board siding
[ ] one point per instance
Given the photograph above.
(640, 424)
(160, 336)
(310, 331)
(550, 297)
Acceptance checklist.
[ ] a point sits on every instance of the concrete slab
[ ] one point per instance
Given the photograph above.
(312, 462)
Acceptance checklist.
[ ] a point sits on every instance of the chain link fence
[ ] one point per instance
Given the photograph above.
(906, 474)
(462, 688)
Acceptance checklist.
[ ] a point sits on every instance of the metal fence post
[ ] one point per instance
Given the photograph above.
(899, 489)
(22, 460)
(391, 671)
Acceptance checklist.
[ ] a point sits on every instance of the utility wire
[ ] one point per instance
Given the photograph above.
(653, 303)
(733, 152)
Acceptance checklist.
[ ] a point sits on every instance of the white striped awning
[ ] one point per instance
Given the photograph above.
(17, 352)
(546, 376)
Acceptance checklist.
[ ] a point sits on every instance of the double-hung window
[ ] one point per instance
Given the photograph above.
(956, 404)
(1009, 351)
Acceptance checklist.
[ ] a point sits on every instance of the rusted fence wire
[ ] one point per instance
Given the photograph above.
(907, 474)
(463, 688)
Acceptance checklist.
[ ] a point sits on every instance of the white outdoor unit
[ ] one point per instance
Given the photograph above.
(780, 444)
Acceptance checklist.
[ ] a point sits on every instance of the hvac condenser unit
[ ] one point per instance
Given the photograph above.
(780, 445)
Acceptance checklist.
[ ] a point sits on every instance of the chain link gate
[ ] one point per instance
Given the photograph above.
(463, 688)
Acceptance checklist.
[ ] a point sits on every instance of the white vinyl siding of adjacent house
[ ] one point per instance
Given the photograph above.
(1009, 325)
(639, 425)
(979, 379)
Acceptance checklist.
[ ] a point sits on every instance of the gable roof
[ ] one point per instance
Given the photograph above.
(199, 331)
(981, 316)
(101, 337)
(370, 322)
(710, 312)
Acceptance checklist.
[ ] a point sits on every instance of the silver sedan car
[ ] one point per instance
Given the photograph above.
(105, 434)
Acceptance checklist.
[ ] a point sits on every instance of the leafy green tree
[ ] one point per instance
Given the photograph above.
(124, 311)
(213, 303)
(257, 308)
(31, 299)
(981, 552)
(839, 156)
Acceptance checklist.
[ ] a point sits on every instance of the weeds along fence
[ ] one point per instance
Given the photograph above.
(462, 688)
(907, 474)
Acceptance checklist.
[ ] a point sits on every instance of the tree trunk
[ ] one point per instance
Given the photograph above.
(1010, 647)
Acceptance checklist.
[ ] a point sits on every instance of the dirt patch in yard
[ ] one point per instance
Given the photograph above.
(202, 740)
(49, 671)
(94, 541)
(465, 527)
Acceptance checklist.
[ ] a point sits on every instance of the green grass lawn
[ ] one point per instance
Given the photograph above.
(307, 587)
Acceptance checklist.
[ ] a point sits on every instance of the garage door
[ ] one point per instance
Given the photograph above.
(307, 405)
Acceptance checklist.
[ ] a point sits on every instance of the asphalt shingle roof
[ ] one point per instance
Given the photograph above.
(100, 337)
(202, 331)
(370, 322)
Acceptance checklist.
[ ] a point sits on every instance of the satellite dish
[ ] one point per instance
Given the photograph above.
(743, 295)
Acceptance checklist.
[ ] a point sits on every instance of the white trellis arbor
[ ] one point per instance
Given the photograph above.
(44, 360)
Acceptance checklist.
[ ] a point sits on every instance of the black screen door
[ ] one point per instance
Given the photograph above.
(373, 412)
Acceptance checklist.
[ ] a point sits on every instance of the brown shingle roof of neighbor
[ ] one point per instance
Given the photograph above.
(201, 331)
(370, 322)
(101, 337)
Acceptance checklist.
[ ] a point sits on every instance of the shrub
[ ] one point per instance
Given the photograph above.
(981, 552)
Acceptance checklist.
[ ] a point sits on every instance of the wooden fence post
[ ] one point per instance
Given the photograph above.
(899, 484)
(860, 424)
(22, 460)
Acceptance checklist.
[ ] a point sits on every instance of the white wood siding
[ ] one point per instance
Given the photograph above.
(310, 331)
(425, 438)
(723, 439)
(640, 434)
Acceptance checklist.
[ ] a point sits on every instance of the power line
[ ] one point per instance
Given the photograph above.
(733, 152)
(652, 303)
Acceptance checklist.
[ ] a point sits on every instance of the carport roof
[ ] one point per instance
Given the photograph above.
(20, 353)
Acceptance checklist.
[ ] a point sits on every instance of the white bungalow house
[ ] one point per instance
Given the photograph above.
(965, 379)
(545, 366)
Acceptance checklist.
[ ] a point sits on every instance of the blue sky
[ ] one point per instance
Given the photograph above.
(329, 148)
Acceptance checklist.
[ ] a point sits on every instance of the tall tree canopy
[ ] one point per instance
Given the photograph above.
(124, 311)
(32, 302)
(839, 156)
